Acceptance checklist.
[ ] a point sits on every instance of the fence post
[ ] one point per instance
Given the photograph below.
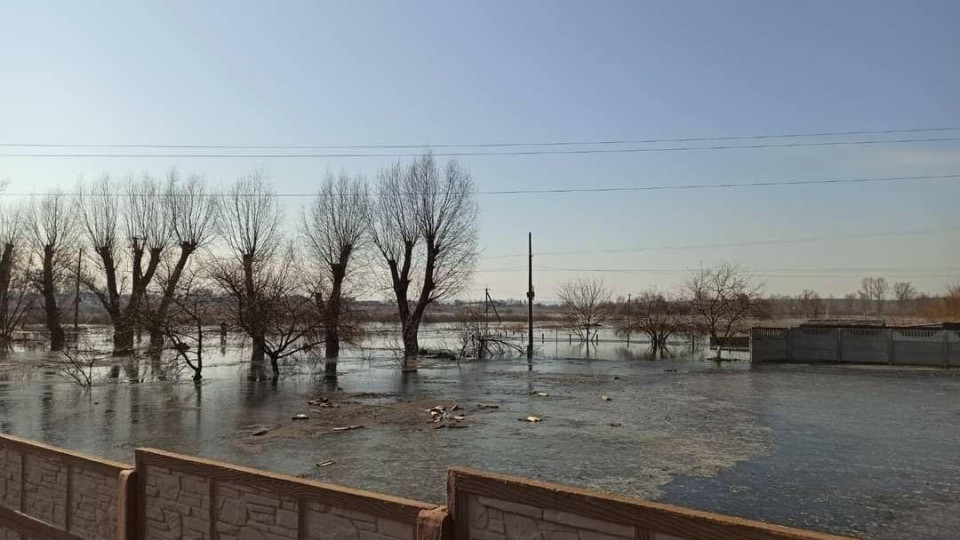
(789, 344)
(946, 347)
(890, 347)
(839, 345)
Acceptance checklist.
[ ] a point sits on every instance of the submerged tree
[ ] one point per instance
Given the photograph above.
(191, 307)
(14, 283)
(286, 315)
(191, 209)
(721, 299)
(335, 228)
(657, 316)
(586, 307)
(113, 215)
(53, 224)
(424, 225)
(249, 222)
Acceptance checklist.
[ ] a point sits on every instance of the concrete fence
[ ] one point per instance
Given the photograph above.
(53, 494)
(66, 496)
(864, 345)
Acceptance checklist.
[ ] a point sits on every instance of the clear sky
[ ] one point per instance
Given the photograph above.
(313, 73)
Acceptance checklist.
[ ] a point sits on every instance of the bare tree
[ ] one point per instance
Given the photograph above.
(335, 228)
(721, 299)
(191, 209)
(77, 363)
(424, 222)
(904, 292)
(249, 219)
(53, 225)
(810, 304)
(586, 307)
(657, 316)
(112, 215)
(14, 282)
(191, 306)
(875, 289)
(286, 314)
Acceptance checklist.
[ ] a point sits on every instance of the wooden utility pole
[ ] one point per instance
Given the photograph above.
(76, 298)
(530, 296)
(629, 322)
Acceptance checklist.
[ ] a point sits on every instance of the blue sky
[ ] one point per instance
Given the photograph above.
(457, 72)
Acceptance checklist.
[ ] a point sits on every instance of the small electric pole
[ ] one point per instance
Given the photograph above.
(530, 298)
(76, 298)
(628, 318)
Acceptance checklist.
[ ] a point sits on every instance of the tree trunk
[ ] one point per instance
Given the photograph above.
(275, 364)
(332, 322)
(332, 351)
(51, 311)
(6, 273)
(411, 345)
(122, 337)
(156, 335)
(257, 357)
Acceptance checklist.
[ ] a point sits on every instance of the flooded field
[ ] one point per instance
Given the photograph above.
(871, 452)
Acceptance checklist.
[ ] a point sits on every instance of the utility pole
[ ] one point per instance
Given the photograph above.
(530, 299)
(486, 328)
(76, 298)
(628, 318)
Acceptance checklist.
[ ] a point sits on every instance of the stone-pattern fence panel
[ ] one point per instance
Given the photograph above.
(50, 493)
(186, 497)
(487, 506)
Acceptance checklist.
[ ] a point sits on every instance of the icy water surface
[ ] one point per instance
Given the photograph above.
(873, 452)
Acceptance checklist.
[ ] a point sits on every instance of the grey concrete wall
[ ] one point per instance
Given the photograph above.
(768, 344)
(953, 348)
(815, 345)
(896, 346)
(919, 347)
(866, 346)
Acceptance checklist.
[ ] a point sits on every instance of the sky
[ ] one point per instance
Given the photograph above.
(436, 73)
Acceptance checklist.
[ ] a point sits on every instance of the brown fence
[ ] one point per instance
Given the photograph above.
(186, 497)
(53, 494)
(489, 506)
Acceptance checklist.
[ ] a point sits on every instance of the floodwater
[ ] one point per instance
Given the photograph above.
(872, 452)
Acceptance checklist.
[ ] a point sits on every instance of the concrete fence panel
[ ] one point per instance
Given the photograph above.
(923, 347)
(47, 492)
(953, 347)
(866, 346)
(768, 344)
(186, 497)
(813, 344)
(488, 506)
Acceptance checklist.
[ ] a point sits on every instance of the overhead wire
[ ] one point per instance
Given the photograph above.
(477, 145)
(481, 153)
(620, 189)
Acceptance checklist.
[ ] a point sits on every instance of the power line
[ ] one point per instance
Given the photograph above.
(724, 185)
(802, 240)
(813, 272)
(475, 145)
(495, 153)
(618, 189)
